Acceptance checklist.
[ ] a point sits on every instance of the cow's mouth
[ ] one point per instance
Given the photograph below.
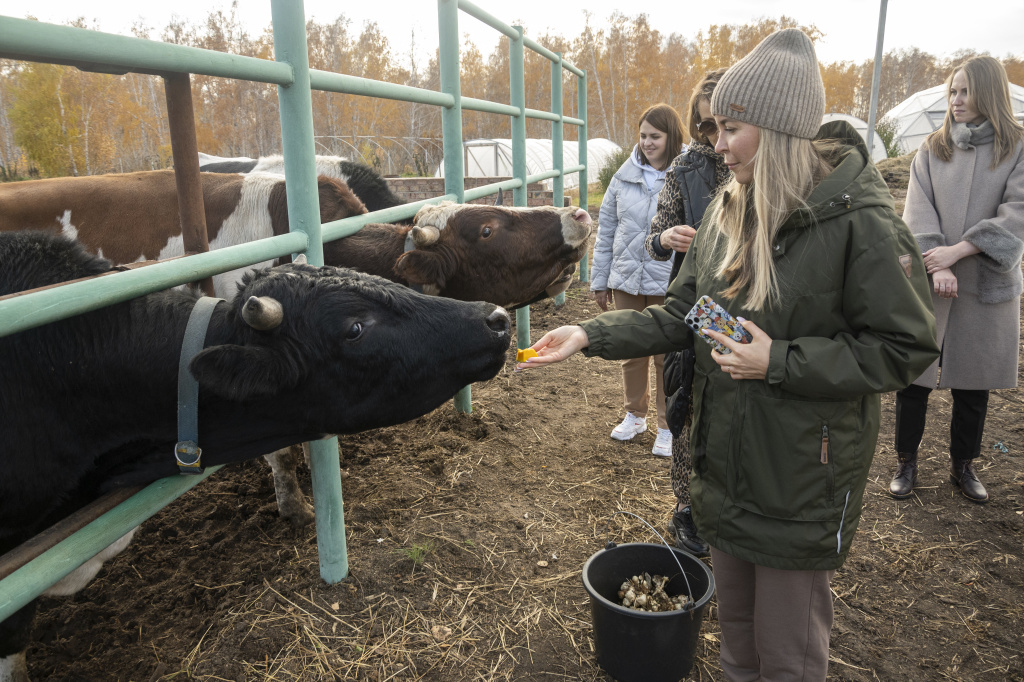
(562, 282)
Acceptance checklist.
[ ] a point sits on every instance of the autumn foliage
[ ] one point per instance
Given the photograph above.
(57, 120)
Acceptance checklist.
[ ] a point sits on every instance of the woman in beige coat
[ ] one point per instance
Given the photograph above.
(965, 205)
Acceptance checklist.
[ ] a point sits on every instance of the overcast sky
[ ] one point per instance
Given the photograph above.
(939, 27)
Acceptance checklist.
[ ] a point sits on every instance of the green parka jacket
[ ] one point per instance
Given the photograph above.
(780, 465)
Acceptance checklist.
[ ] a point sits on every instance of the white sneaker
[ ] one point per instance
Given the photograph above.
(630, 427)
(663, 443)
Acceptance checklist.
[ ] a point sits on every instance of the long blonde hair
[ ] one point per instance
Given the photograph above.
(988, 90)
(786, 170)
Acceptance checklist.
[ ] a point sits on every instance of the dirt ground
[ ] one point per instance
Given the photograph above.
(448, 517)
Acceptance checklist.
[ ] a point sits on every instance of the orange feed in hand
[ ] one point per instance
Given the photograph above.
(522, 355)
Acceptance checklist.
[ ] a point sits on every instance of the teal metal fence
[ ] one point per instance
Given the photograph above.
(92, 50)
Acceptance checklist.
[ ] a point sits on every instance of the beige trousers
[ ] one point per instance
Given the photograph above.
(636, 372)
(775, 623)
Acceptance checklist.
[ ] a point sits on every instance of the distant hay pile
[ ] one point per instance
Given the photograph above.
(896, 171)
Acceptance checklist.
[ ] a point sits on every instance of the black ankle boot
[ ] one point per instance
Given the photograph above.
(902, 485)
(961, 474)
(681, 526)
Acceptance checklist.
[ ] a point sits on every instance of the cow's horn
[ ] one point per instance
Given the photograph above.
(300, 259)
(501, 198)
(262, 312)
(425, 235)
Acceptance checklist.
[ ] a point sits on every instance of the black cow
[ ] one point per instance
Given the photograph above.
(89, 403)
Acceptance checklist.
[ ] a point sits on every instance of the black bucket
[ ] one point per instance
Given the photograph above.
(639, 646)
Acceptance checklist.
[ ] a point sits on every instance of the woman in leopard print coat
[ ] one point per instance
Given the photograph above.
(691, 181)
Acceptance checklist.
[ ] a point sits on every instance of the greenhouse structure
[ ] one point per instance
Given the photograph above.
(485, 158)
(923, 112)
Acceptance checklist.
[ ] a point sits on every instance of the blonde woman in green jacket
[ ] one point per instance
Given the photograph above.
(805, 247)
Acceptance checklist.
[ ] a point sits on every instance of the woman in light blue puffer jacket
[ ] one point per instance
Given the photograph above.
(624, 271)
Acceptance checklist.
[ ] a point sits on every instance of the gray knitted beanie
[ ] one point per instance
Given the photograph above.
(777, 86)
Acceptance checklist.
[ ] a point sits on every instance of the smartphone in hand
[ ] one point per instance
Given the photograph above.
(706, 314)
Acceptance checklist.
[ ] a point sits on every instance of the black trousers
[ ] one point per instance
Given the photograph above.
(969, 410)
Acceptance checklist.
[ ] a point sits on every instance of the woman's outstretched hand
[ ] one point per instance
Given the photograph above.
(747, 360)
(556, 345)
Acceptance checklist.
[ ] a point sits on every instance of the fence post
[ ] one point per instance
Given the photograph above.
(581, 85)
(304, 214)
(557, 151)
(182, 124)
(517, 98)
(451, 126)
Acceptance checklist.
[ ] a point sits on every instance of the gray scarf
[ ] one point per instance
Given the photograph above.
(967, 134)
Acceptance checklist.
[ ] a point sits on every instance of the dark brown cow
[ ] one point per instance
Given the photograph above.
(506, 256)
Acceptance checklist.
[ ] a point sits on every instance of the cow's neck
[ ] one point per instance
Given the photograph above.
(374, 249)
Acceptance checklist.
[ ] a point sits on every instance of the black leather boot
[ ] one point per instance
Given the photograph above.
(681, 526)
(961, 474)
(902, 485)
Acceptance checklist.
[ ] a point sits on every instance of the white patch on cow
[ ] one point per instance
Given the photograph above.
(431, 290)
(83, 575)
(574, 231)
(437, 215)
(210, 158)
(13, 668)
(248, 222)
(66, 228)
(325, 165)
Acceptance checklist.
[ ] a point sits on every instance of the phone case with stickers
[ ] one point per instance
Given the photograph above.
(706, 314)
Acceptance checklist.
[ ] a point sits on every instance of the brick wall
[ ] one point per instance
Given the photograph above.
(417, 189)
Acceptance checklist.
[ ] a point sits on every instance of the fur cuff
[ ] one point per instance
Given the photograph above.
(998, 243)
(929, 240)
(998, 287)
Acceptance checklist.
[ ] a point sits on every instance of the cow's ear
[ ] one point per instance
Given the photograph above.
(242, 372)
(425, 267)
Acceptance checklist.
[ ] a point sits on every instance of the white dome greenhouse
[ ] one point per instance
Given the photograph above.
(486, 158)
(923, 112)
(861, 126)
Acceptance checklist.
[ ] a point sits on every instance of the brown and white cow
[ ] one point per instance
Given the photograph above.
(131, 217)
(505, 256)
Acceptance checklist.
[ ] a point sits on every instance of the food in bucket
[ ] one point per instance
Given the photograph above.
(524, 354)
(647, 593)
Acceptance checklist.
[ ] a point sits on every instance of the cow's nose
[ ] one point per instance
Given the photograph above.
(499, 321)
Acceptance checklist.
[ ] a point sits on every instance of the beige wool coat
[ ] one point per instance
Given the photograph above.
(966, 199)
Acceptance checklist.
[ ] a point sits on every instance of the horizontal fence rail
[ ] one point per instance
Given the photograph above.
(108, 53)
(26, 583)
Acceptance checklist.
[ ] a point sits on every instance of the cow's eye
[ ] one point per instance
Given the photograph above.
(354, 332)
(486, 232)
